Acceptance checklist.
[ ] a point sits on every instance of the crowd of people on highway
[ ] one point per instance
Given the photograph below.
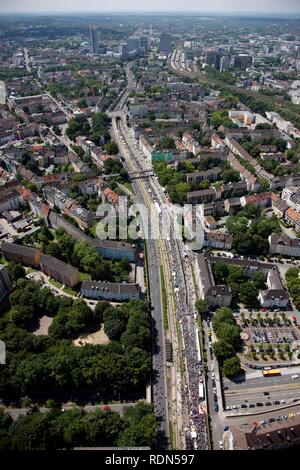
(192, 359)
(186, 311)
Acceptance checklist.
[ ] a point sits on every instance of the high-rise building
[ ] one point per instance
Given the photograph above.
(165, 43)
(133, 43)
(144, 42)
(94, 39)
(298, 52)
(5, 282)
(123, 51)
(242, 61)
(213, 58)
(224, 63)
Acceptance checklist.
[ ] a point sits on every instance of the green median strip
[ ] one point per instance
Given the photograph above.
(164, 299)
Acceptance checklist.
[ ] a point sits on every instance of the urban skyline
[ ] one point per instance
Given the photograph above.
(215, 6)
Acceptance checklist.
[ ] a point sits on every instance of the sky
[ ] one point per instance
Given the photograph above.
(257, 6)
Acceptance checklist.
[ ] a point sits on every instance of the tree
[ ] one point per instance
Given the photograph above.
(56, 129)
(114, 323)
(230, 175)
(141, 428)
(259, 280)
(202, 307)
(221, 316)
(22, 315)
(99, 310)
(15, 270)
(248, 294)
(111, 148)
(221, 272)
(223, 350)
(231, 366)
(166, 143)
(230, 334)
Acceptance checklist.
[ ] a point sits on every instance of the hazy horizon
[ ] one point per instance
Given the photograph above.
(269, 7)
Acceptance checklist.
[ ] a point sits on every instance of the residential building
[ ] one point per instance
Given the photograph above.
(216, 296)
(5, 282)
(115, 292)
(279, 207)
(24, 255)
(292, 217)
(258, 200)
(251, 181)
(218, 240)
(110, 249)
(203, 196)
(232, 204)
(212, 175)
(217, 142)
(275, 296)
(284, 245)
(272, 436)
(62, 272)
(34, 258)
(9, 200)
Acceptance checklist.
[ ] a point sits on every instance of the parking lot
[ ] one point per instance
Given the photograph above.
(272, 334)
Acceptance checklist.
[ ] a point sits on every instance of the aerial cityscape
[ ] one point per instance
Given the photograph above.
(149, 226)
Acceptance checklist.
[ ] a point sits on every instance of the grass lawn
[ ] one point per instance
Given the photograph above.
(69, 291)
(84, 277)
(31, 270)
(55, 283)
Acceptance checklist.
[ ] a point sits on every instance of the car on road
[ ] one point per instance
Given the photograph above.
(268, 403)
(251, 405)
(221, 444)
(216, 407)
(243, 405)
(283, 401)
(276, 402)
(259, 403)
(266, 393)
(295, 376)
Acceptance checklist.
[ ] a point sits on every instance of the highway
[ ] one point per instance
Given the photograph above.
(159, 382)
(181, 405)
(26, 57)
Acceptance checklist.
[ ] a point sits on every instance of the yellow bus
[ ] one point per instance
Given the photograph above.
(271, 372)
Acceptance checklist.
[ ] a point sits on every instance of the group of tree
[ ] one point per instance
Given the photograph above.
(251, 230)
(221, 118)
(293, 284)
(41, 365)
(97, 131)
(81, 254)
(245, 290)
(166, 143)
(174, 181)
(229, 341)
(58, 430)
